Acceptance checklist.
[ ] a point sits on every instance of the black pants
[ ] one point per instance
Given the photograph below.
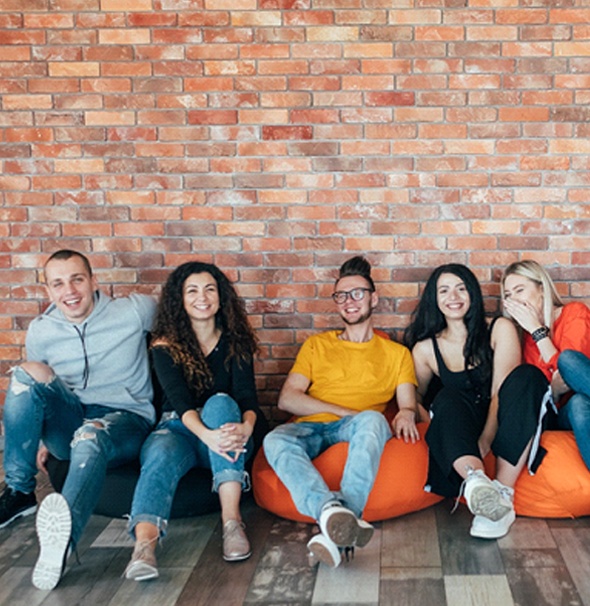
(458, 420)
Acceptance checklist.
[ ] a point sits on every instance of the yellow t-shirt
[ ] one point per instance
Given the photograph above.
(359, 376)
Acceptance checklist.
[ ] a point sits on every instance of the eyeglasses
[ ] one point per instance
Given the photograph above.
(356, 294)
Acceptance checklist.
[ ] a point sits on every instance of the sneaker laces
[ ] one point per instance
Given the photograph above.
(506, 492)
(458, 497)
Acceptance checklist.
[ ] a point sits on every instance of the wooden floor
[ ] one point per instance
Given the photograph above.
(425, 558)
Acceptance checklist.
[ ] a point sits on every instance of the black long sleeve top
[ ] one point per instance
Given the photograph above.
(236, 380)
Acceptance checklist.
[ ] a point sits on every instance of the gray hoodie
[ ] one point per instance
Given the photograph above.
(104, 359)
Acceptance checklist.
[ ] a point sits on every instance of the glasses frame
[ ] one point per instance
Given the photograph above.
(338, 295)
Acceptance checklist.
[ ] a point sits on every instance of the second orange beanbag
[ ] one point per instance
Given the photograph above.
(398, 488)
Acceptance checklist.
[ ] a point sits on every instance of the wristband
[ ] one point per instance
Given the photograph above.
(540, 333)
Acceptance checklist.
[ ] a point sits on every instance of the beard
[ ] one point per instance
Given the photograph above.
(362, 318)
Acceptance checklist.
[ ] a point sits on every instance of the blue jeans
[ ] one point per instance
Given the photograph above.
(574, 368)
(290, 448)
(171, 451)
(51, 412)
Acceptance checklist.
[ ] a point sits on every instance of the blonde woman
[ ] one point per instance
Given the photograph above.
(555, 339)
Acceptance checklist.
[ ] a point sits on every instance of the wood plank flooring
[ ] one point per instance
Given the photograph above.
(420, 559)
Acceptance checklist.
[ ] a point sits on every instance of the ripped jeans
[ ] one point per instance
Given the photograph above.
(51, 412)
(172, 450)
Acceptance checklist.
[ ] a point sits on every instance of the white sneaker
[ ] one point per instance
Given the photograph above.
(322, 549)
(484, 497)
(343, 527)
(54, 529)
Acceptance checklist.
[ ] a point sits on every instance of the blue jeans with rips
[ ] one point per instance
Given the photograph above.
(172, 450)
(290, 448)
(574, 368)
(51, 412)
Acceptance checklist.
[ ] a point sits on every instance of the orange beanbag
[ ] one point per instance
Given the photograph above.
(398, 488)
(561, 486)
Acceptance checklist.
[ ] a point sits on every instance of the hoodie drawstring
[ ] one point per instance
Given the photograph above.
(86, 373)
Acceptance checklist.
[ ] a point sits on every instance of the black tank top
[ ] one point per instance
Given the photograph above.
(475, 382)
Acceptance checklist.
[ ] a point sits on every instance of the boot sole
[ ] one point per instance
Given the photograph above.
(54, 529)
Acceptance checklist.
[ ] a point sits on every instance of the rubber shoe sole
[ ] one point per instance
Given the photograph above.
(21, 514)
(484, 497)
(54, 529)
(141, 571)
(364, 533)
(322, 549)
(340, 525)
(484, 528)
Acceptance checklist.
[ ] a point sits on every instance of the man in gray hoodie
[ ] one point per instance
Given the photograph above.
(85, 392)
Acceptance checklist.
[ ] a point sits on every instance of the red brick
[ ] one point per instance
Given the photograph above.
(82, 198)
(279, 149)
(109, 181)
(212, 117)
(181, 166)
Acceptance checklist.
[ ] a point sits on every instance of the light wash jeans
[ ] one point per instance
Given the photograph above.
(171, 451)
(51, 412)
(290, 448)
(574, 368)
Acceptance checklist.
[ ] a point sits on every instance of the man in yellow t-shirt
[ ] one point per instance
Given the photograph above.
(338, 388)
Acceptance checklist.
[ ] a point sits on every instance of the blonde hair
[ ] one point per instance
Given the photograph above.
(537, 274)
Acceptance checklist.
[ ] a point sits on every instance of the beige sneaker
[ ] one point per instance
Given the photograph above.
(143, 565)
(235, 542)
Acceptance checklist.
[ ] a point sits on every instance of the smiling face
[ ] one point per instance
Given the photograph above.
(356, 312)
(200, 296)
(452, 296)
(524, 290)
(71, 287)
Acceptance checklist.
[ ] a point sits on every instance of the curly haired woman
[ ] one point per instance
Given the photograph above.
(202, 353)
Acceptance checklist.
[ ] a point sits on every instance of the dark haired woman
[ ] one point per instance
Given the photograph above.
(202, 354)
(473, 412)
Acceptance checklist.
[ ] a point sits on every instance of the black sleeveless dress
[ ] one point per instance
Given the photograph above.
(458, 415)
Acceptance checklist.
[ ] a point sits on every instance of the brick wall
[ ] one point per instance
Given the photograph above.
(278, 137)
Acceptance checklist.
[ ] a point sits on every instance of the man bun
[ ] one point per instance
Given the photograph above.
(357, 266)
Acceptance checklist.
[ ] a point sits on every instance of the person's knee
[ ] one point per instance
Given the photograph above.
(220, 408)
(278, 442)
(571, 361)
(579, 411)
(37, 371)
(525, 380)
(524, 373)
(272, 442)
(89, 438)
(373, 423)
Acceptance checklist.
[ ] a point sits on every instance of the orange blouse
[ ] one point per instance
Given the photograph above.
(570, 331)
